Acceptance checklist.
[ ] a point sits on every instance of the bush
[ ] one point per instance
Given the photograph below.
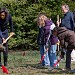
(24, 14)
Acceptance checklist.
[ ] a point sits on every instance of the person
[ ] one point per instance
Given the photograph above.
(68, 19)
(52, 50)
(68, 22)
(44, 31)
(74, 18)
(40, 38)
(68, 36)
(5, 19)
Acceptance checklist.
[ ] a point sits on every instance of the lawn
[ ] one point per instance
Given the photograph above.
(28, 64)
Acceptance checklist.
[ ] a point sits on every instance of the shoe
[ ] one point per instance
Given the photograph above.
(46, 66)
(66, 69)
(73, 70)
(50, 68)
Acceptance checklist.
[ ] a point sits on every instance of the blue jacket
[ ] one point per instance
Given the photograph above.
(68, 21)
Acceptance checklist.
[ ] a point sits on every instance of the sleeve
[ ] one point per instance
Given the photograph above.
(11, 23)
(72, 21)
(1, 34)
(38, 36)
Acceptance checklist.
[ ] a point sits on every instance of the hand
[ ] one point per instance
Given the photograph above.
(3, 40)
(47, 49)
(58, 22)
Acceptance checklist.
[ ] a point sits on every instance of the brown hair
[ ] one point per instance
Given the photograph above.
(41, 19)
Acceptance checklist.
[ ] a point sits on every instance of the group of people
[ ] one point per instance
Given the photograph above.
(50, 35)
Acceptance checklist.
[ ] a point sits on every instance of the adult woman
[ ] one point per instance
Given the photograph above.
(41, 38)
(5, 19)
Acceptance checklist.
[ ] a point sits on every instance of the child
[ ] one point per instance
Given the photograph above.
(52, 50)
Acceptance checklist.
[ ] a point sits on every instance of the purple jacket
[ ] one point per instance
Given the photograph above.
(53, 39)
(46, 28)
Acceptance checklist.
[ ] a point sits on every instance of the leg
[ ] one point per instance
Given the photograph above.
(68, 59)
(0, 51)
(5, 54)
(46, 59)
(53, 55)
(42, 53)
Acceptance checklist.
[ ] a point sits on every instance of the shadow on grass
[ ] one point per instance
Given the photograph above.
(55, 71)
(36, 66)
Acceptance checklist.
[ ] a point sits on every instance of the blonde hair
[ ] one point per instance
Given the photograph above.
(41, 19)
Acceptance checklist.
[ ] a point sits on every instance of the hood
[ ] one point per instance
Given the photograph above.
(62, 29)
(48, 23)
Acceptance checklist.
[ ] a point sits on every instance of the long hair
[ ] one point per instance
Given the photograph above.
(3, 9)
(41, 19)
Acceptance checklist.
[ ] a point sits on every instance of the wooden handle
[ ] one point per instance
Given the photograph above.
(8, 38)
(57, 17)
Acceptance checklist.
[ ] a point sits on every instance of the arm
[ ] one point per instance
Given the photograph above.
(72, 22)
(10, 23)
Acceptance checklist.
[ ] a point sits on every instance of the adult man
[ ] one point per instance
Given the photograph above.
(68, 22)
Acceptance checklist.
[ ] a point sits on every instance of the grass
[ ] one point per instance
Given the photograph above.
(28, 65)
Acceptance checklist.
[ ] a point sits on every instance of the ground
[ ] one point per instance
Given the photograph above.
(27, 64)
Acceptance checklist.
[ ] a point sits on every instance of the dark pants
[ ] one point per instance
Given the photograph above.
(68, 59)
(5, 52)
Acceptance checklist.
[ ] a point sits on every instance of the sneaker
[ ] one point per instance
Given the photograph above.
(50, 68)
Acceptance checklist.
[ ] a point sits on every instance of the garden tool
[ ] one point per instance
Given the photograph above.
(4, 69)
(59, 58)
(1, 45)
(43, 56)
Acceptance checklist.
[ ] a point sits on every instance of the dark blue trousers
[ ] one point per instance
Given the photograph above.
(5, 52)
(68, 59)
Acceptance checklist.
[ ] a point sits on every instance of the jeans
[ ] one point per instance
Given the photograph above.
(46, 59)
(52, 55)
(42, 53)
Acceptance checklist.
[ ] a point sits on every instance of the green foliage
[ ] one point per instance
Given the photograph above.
(24, 14)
